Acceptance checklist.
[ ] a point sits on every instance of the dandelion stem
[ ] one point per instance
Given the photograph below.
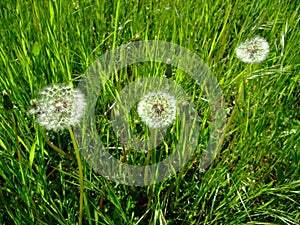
(146, 180)
(147, 168)
(150, 197)
(80, 174)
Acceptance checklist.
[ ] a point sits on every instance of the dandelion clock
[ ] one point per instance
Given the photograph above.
(59, 107)
(157, 109)
(253, 50)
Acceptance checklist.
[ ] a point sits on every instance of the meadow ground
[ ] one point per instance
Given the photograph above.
(254, 178)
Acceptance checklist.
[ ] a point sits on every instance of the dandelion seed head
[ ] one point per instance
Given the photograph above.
(58, 107)
(253, 50)
(157, 109)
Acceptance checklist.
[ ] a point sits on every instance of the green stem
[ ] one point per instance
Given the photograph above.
(54, 146)
(16, 135)
(80, 175)
(116, 24)
(114, 170)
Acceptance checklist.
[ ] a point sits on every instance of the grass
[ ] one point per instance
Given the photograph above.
(254, 179)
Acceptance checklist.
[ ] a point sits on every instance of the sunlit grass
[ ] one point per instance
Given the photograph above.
(254, 179)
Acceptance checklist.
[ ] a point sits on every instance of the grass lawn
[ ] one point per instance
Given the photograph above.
(254, 178)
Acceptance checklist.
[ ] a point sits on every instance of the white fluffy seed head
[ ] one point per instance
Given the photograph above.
(157, 109)
(253, 50)
(59, 107)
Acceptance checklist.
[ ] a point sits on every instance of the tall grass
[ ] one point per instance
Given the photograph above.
(254, 179)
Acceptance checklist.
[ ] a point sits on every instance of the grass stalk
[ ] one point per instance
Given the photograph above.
(81, 183)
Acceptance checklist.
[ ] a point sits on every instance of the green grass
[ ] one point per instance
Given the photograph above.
(254, 179)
